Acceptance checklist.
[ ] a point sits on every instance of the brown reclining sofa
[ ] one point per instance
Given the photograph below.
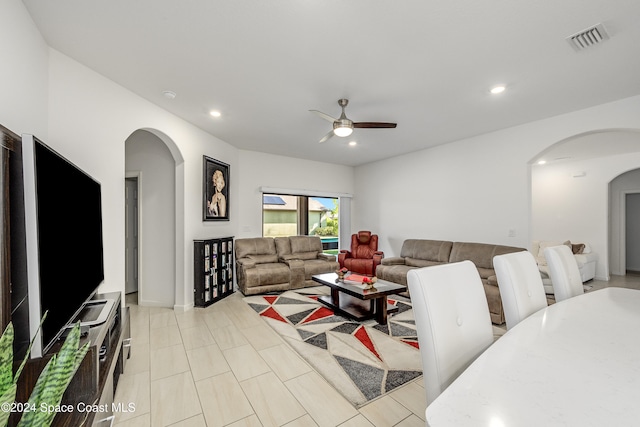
(417, 253)
(267, 264)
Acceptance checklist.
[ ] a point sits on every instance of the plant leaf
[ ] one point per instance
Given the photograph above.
(29, 418)
(6, 358)
(61, 369)
(9, 396)
(26, 356)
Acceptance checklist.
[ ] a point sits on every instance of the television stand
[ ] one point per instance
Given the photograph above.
(94, 312)
(97, 377)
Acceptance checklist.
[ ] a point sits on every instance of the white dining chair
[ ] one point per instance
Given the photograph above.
(521, 288)
(452, 320)
(564, 272)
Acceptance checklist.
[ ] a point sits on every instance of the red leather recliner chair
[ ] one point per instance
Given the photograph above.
(364, 256)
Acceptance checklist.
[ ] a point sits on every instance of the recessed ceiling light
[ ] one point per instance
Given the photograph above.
(353, 143)
(215, 113)
(542, 162)
(498, 89)
(169, 94)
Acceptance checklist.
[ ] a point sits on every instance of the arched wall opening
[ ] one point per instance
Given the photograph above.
(571, 193)
(154, 161)
(624, 225)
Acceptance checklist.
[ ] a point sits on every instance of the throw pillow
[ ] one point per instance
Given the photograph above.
(577, 248)
(540, 258)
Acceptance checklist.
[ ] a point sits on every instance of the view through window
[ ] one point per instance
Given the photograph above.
(293, 215)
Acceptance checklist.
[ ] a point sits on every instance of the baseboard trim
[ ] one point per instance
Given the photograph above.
(183, 308)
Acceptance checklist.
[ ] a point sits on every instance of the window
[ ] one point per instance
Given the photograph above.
(294, 215)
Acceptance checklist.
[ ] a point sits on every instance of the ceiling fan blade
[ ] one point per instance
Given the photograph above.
(326, 137)
(324, 116)
(374, 125)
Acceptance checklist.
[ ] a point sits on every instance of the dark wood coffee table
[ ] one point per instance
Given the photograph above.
(356, 302)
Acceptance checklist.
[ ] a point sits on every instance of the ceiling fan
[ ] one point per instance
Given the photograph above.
(343, 126)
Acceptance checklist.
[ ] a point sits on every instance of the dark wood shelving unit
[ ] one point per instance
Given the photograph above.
(213, 270)
(95, 382)
(8, 147)
(14, 303)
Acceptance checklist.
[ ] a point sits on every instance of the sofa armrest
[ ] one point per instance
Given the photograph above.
(492, 280)
(394, 260)
(292, 262)
(377, 257)
(327, 257)
(344, 254)
(585, 258)
(296, 272)
(246, 263)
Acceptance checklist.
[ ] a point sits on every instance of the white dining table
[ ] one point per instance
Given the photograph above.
(574, 363)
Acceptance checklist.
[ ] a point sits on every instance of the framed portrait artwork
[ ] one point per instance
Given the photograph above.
(216, 190)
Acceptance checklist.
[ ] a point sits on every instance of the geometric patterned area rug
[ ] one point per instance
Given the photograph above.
(362, 360)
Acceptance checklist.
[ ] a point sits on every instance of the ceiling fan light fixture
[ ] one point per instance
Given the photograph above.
(342, 131)
(343, 126)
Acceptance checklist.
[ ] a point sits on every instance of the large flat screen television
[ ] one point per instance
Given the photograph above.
(63, 222)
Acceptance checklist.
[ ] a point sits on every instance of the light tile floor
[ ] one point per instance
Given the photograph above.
(223, 366)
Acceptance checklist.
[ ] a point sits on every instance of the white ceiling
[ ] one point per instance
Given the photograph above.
(426, 65)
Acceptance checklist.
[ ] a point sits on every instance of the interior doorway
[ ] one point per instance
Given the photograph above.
(624, 223)
(632, 233)
(155, 160)
(131, 236)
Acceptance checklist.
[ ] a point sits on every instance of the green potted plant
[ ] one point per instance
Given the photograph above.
(50, 386)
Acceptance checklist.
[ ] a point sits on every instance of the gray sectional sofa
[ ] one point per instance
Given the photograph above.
(267, 264)
(416, 253)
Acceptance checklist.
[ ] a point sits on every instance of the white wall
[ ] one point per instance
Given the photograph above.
(471, 190)
(90, 118)
(577, 208)
(626, 183)
(23, 74)
(147, 155)
(87, 118)
(258, 170)
(478, 189)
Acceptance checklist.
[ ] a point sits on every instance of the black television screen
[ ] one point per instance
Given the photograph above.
(68, 222)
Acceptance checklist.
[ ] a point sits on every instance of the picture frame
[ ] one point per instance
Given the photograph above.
(215, 189)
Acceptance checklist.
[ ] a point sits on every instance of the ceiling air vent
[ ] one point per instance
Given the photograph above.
(589, 37)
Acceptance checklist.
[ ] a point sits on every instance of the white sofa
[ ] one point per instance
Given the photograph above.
(585, 258)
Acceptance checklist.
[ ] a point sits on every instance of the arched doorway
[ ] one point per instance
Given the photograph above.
(571, 193)
(155, 165)
(624, 225)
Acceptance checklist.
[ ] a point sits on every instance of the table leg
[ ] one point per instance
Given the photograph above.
(335, 297)
(381, 310)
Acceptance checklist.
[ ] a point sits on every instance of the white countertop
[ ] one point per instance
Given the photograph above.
(575, 363)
